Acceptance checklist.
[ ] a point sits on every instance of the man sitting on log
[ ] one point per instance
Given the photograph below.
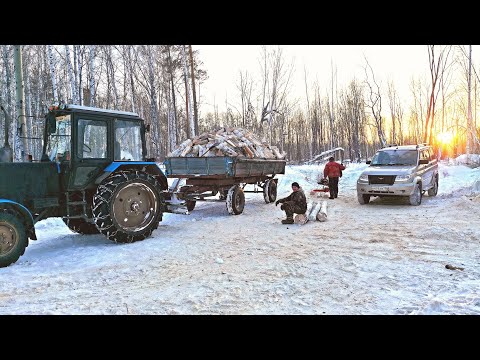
(295, 203)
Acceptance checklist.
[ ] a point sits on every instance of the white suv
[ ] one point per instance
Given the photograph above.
(407, 170)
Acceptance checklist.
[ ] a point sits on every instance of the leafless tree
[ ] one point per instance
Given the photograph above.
(437, 67)
(245, 87)
(374, 102)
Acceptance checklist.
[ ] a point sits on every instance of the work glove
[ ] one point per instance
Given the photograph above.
(277, 202)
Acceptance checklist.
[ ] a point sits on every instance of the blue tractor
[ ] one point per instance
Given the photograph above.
(94, 173)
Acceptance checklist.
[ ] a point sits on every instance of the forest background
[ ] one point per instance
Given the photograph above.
(163, 84)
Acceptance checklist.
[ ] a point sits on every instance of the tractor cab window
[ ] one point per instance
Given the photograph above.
(92, 139)
(128, 141)
(58, 145)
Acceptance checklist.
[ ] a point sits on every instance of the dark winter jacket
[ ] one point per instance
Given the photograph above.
(333, 169)
(298, 197)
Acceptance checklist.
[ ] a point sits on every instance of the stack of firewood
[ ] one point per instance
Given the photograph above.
(227, 142)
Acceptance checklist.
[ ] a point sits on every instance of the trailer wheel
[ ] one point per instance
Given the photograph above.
(127, 206)
(235, 200)
(191, 205)
(80, 226)
(223, 194)
(270, 191)
(13, 238)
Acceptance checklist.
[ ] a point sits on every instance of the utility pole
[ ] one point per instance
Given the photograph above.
(20, 91)
(195, 120)
(469, 119)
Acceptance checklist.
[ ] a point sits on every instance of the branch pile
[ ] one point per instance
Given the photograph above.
(227, 142)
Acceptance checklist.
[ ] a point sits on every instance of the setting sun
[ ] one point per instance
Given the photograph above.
(445, 138)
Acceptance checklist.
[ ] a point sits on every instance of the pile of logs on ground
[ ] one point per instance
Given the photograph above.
(227, 141)
(315, 211)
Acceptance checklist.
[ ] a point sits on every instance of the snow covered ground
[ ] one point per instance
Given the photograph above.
(386, 257)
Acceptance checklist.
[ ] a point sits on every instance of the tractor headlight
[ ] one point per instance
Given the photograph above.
(403, 178)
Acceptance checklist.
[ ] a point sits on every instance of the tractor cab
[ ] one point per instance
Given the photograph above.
(84, 140)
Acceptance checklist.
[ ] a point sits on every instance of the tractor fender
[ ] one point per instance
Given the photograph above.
(148, 167)
(24, 213)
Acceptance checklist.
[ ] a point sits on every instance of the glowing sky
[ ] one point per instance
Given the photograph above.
(389, 62)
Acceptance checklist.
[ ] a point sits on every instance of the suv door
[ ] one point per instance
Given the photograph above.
(427, 170)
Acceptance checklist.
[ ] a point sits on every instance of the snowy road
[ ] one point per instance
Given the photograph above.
(386, 257)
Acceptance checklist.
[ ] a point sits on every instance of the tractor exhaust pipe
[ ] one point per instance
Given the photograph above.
(6, 153)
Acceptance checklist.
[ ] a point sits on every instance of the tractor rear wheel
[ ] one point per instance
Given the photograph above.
(128, 206)
(13, 238)
(80, 226)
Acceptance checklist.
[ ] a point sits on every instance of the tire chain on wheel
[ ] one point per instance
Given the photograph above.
(81, 226)
(101, 206)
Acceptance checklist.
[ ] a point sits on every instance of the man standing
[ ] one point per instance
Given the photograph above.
(295, 203)
(333, 171)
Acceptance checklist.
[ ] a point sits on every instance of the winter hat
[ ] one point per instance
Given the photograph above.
(331, 158)
(295, 184)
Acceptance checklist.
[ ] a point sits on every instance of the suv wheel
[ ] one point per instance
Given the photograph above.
(434, 189)
(416, 197)
(363, 199)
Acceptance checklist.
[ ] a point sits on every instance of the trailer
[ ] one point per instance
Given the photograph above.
(202, 178)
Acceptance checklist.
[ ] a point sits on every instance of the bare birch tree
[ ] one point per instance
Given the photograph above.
(437, 67)
(374, 102)
(53, 72)
(191, 124)
(195, 110)
(91, 75)
(73, 85)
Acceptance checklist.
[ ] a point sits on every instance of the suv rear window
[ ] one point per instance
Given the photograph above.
(395, 157)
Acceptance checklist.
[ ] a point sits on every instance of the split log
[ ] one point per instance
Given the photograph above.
(322, 214)
(313, 214)
(195, 150)
(247, 151)
(311, 204)
(300, 219)
(186, 150)
(227, 141)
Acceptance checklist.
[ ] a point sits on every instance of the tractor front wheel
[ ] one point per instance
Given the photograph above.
(13, 238)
